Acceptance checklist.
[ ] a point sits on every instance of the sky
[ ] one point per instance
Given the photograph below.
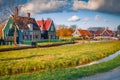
(83, 13)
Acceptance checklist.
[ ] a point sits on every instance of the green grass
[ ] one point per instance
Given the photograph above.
(39, 59)
(47, 43)
(67, 74)
(7, 46)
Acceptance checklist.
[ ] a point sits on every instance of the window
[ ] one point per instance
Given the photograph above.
(25, 36)
(30, 26)
(30, 37)
(52, 28)
(11, 26)
(35, 36)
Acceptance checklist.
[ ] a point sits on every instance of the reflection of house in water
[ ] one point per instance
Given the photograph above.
(48, 30)
(27, 28)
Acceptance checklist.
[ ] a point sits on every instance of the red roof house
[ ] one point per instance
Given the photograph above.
(82, 33)
(47, 27)
(44, 24)
(104, 33)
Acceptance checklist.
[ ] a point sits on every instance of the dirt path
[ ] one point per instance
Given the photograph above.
(110, 75)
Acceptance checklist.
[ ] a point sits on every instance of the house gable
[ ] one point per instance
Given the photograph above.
(8, 27)
(76, 33)
(105, 33)
(52, 27)
(85, 33)
(47, 27)
(44, 24)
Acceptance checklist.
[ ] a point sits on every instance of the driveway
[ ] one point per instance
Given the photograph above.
(110, 75)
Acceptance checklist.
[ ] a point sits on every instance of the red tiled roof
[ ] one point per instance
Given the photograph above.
(99, 32)
(45, 23)
(110, 32)
(85, 33)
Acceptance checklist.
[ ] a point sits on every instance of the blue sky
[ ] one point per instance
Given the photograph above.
(104, 19)
(83, 13)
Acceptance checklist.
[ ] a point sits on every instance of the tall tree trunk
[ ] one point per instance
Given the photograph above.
(15, 30)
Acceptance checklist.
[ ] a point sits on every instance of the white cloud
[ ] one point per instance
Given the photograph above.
(74, 18)
(41, 6)
(79, 5)
(111, 6)
(91, 4)
(97, 17)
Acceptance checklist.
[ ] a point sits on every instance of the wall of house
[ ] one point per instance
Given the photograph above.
(9, 31)
(76, 34)
(27, 35)
(105, 34)
(8, 26)
(52, 32)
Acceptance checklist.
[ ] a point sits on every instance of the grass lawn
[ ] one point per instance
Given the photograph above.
(47, 43)
(67, 74)
(39, 59)
(7, 46)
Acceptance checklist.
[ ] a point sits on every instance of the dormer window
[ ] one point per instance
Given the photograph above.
(30, 26)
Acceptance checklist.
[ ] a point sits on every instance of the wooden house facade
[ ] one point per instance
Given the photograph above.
(104, 34)
(82, 33)
(26, 28)
(47, 28)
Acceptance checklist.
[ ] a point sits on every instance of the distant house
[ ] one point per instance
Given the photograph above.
(104, 34)
(82, 33)
(94, 29)
(47, 28)
(26, 28)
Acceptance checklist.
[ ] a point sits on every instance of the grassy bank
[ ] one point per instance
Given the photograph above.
(39, 59)
(68, 74)
(7, 46)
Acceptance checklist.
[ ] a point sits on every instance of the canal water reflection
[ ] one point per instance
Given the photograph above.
(101, 60)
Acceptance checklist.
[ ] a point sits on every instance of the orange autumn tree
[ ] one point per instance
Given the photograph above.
(1, 27)
(64, 32)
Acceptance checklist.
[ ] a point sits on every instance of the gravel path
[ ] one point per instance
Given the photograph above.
(110, 75)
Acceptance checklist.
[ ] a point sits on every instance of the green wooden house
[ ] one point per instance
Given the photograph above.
(26, 28)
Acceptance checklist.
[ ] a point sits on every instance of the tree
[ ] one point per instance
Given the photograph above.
(1, 27)
(7, 8)
(63, 32)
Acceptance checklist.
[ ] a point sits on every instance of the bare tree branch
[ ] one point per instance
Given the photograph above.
(7, 8)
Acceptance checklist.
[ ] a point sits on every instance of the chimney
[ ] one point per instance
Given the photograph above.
(16, 11)
(28, 15)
